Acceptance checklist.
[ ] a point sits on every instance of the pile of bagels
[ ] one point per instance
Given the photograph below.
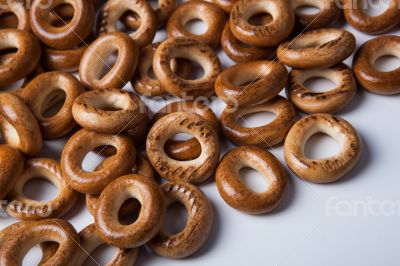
(85, 70)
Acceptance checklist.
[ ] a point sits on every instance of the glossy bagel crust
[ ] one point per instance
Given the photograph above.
(24, 208)
(330, 101)
(188, 149)
(17, 8)
(19, 127)
(163, 12)
(241, 53)
(198, 226)
(22, 62)
(322, 170)
(113, 10)
(142, 167)
(47, 90)
(329, 13)
(113, 167)
(251, 83)
(189, 49)
(33, 233)
(108, 111)
(94, 60)
(70, 33)
(367, 75)
(264, 136)
(193, 171)
(319, 48)
(148, 86)
(356, 17)
(63, 60)
(226, 5)
(236, 194)
(266, 35)
(90, 240)
(11, 165)
(210, 14)
(150, 219)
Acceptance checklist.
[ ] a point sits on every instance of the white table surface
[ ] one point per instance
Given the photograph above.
(355, 221)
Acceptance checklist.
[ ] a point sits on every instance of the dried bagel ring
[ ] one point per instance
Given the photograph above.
(163, 12)
(11, 165)
(210, 14)
(90, 240)
(44, 93)
(48, 250)
(236, 194)
(116, 165)
(367, 75)
(193, 171)
(94, 60)
(264, 136)
(198, 226)
(142, 167)
(22, 62)
(147, 85)
(108, 111)
(322, 170)
(188, 149)
(19, 127)
(241, 53)
(70, 33)
(24, 208)
(150, 219)
(357, 18)
(36, 232)
(251, 83)
(189, 49)
(17, 9)
(113, 10)
(64, 60)
(322, 102)
(266, 35)
(328, 14)
(319, 48)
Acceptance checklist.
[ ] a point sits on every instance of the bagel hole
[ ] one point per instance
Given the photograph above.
(123, 26)
(7, 54)
(134, 207)
(253, 179)
(308, 10)
(40, 189)
(196, 71)
(153, 4)
(196, 26)
(374, 8)
(321, 146)
(33, 256)
(93, 160)
(387, 63)
(181, 137)
(260, 19)
(319, 84)
(8, 20)
(61, 15)
(248, 82)
(108, 64)
(151, 73)
(102, 255)
(112, 103)
(176, 218)
(53, 103)
(256, 119)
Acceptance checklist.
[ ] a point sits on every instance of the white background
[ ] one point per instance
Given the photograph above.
(352, 222)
